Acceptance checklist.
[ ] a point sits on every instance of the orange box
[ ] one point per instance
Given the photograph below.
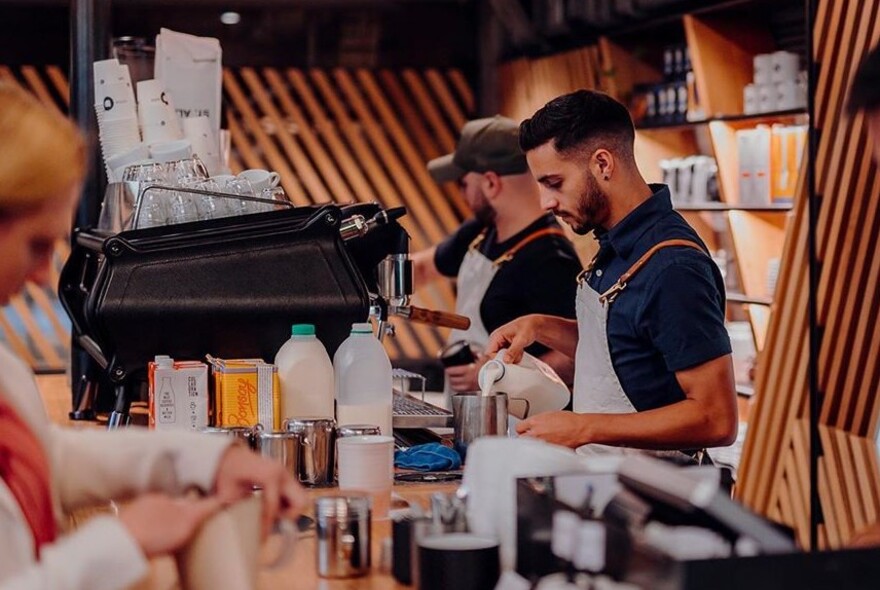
(246, 393)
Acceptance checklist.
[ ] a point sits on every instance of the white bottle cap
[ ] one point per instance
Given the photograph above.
(164, 361)
(362, 328)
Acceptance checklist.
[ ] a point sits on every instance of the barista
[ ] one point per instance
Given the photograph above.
(653, 364)
(509, 256)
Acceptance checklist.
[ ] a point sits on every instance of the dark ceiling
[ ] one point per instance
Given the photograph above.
(306, 33)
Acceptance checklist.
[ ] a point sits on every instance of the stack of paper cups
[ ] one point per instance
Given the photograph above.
(366, 464)
(116, 111)
(205, 143)
(159, 121)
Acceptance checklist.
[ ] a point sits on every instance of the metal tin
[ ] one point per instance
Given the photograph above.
(342, 525)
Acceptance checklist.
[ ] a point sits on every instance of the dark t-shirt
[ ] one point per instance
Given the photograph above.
(541, 277)
(670, 317)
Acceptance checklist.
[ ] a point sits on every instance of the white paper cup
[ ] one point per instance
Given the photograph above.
(784, 66)
(151, 92)
(169, 151)
(763, 64)
(366, 464)
(108, 71)
(261, 179)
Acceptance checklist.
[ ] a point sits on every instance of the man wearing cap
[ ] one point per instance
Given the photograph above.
(653, 366)
(512, 258)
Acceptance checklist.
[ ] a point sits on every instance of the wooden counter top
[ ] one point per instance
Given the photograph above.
(301, 572)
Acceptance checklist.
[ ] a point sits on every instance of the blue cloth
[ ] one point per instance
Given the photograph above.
(427, 457)
(670, 317)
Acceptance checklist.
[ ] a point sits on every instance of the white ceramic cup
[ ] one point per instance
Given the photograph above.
(261, 179)
(169, 151)
(366, 464)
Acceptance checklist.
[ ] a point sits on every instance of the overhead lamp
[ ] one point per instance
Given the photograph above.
(230, 18)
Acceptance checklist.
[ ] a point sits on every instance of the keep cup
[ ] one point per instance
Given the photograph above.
(475, 415)
(459, 560)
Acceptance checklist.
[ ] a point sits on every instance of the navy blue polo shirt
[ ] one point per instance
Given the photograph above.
(670, 317)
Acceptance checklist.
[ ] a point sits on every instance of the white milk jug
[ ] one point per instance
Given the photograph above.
(532, 386)
(305, 375)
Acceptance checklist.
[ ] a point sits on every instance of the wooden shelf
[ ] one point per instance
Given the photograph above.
(753, 119)
(727, 207)
(743, 298)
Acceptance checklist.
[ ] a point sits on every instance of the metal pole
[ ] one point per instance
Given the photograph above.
(89, 41)
(813, 202)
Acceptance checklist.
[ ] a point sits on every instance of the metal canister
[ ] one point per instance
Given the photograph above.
(242, 433)
(357, 430)
(342, 525)
(284, 447)
(317, 465)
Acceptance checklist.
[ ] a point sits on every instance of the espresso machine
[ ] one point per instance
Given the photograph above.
(229, 287)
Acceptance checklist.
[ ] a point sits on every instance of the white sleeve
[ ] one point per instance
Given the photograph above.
(101, 555)
(97, 465)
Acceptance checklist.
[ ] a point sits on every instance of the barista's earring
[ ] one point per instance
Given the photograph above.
(606, 178)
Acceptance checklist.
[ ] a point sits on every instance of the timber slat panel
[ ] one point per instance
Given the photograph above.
(848, 302)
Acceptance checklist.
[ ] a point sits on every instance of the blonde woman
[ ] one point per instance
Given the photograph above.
(46, 470)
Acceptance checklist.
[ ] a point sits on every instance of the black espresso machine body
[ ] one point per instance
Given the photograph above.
(229, 287)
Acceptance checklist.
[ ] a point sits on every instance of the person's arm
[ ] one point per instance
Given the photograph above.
(424, 267)
(556, 333)
(562, 364)
(94, 466)
(108, 553)
(707, 417)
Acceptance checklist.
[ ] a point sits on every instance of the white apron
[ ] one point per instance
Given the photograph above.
(597, 390)
(475, 275)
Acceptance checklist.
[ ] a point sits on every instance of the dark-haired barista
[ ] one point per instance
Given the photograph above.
(511, 258)
(652, 356)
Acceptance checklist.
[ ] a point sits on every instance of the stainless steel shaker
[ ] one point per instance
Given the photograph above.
(317, 463)
(342, 525)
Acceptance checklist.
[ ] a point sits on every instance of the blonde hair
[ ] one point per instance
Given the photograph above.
(42, 154)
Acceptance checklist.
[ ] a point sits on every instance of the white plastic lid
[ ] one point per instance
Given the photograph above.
(362, 328)
(164, 361)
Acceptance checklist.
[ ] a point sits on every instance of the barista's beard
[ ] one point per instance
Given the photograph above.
(592, 208)
(484, 212)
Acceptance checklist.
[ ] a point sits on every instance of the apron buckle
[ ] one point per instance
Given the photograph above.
(611, 294)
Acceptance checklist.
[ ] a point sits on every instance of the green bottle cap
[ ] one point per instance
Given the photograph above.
(302, 330)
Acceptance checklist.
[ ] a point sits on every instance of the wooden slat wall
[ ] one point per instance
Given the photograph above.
(774, 474)
(334, 136)
(356, 136)
(33, 323)
(525, 85)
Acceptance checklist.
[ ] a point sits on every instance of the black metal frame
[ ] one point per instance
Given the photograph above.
(815, 336)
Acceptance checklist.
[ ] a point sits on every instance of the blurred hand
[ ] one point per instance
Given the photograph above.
(161, 524)
(515, 336)
(241, 469)
(559, 428)
(464, 377)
